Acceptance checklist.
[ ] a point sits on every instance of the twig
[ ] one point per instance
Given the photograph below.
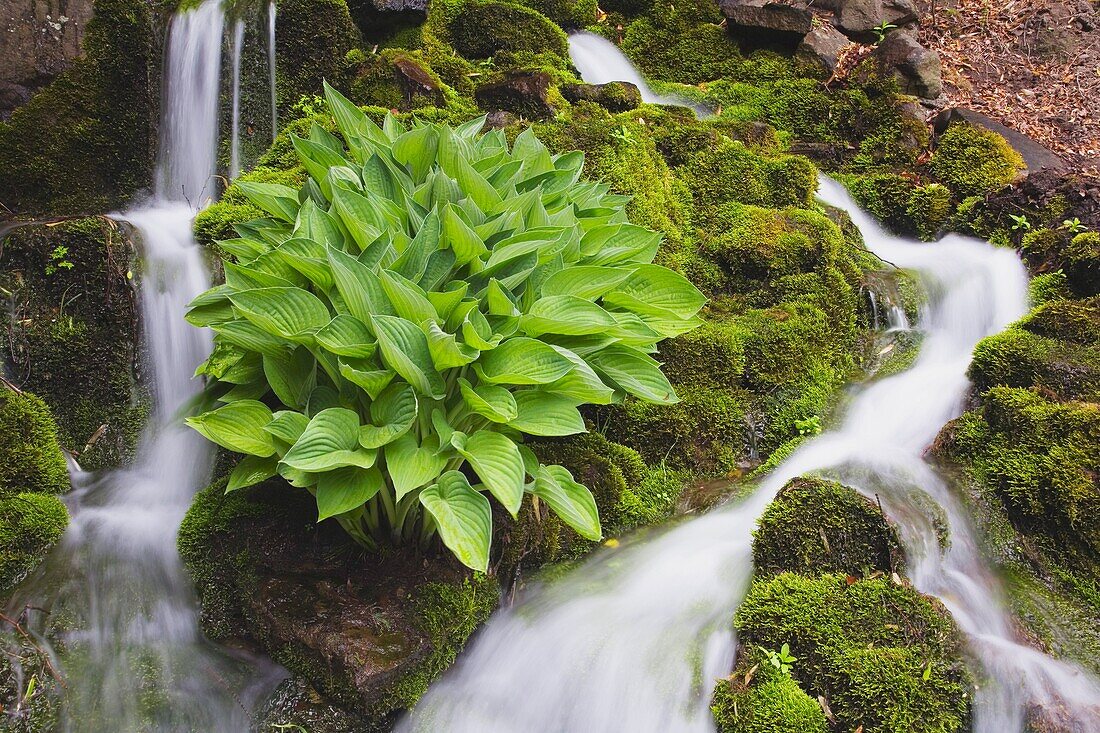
(30, 640)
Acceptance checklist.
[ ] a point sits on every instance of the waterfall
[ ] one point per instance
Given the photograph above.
(235, 145)
(271, 68)
(634, 639)
(133, 656)
(599, 61)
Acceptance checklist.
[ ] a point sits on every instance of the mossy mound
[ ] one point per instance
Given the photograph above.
(269, 576)
(84, 143)
(30, 524)
(30, 456)
(485, 29)
(973, 161)
(818, 526)
(903, 204)
(312, 42)
(759, 698)
(74, 332)
(883, 656)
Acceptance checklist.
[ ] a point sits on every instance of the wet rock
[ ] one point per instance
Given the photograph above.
(296, 705)
(916, 68)
(499, 119)
(822, 47)
(41, 38)
(526, 94)
(767, 16)
(616, 96)
(401, 6)
(417, 83)
(858, 18)
(12, 95)
(1036, 157)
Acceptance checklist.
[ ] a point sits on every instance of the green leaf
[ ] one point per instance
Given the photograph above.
(464, 518)
(567, 315)
(362, 219)
(211, 307)
(523, 361)
(411, 466)
(452, 160)
(345, 489)
(408, 298)
(250, 471)
(405, 350)
(585, 281)
(290, 313)
(582, 385)
(239, 426)
(347, 336)
(287, 426)
(497, 462)
(543, 413)
(658, 290)
(571, 501)
(331, 440)
(359, 286)
(634, 373)
(352, 122)
(446, 351)
(276, 199)
(372, 381)
(292, 376)
(460, 238)
(392, 413)
(495, 403)
(417, 149)
(248, 335)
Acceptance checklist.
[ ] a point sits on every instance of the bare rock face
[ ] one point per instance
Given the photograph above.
(859, 18)
(916, 68)
(822, 46)
(526, 94)
(40, 38)
(768, 16)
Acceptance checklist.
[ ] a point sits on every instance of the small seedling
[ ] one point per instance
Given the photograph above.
(881, 30)
(1020, 223)
(623, 135)
(59, 260)
(782, 659)
(1073, 226)
(809, 426)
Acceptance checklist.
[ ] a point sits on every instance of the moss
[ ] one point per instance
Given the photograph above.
(30, 524)
(902, 204)
(817, 526)
(731, 173)
(484, 29)
(972, 161)
(1048, 287)
(74, 332)
(1027, 355)
(568, 14)
(681, 42)
(758, 698)
(1081, 264)
(866, 647)
(30, 457)
(397, 80)
(312, 41)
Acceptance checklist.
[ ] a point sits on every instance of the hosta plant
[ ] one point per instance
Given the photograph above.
(392, 331)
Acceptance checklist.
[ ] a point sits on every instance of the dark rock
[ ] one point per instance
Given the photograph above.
(499, 119)
(822, 47)
(417, 83)
(859, 18)
(1036, 157)
(916, 68)
(295, 705)
(41, 38)
(401, 6)
(526, 94)
(616, 96)
(755, 16)
(378, 19)
(12, 95)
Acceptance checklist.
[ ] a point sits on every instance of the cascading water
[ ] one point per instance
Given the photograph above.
(235, 142)
(271, 67)
(634, 639)
(132, 656)
(599, 61)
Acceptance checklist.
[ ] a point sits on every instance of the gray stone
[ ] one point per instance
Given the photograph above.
(12, 95)
(1036, 157)
(40, 38)
(401, 6)
(767, 16)
(916, 68)
(616, 96)
(859, 18)
(822, 46)
(526, 94)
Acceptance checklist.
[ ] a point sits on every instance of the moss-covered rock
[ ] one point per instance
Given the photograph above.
(903, 204)
(84, 144)
(568, 14)
(369, 632)
(882, 655)
(759, 698)
(30, 524)
(485, 29)
(397, 80)
(30, 456)
(816, 526)
(972, 161)
(312, 41)
(771, 182)
(74, 332)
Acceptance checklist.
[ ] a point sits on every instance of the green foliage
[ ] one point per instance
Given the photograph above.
(566, 13)
(817, 526)
(972, 161)
(866, 647)
(30, 524)
(758, 698)
(427, 299)
(782, 659)
(769, 182)
(902, 204)
(30, 457)
(484, 29)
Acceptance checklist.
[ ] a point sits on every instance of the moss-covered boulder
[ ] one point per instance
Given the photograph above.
(30, 524)
(397, 80)
(369, 632)
(883, 656)
(817, 526)
(972, 161)
(485, 29)
(74, 332)
(312, 41)
(758, 697)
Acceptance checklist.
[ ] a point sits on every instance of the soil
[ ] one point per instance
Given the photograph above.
(1033, 65)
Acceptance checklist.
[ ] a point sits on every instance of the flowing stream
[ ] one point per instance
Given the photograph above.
(235, 124)
(132, 655)
(634, 639)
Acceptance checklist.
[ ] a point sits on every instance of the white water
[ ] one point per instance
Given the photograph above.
(634, 639)
(599, 61)
(235, 143)
(271, 68)
(134, 657)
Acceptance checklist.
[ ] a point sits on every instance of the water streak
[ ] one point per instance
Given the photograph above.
(634, 638)
(599, 61)
(271, 68)
(133, 656)
(235, 144)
